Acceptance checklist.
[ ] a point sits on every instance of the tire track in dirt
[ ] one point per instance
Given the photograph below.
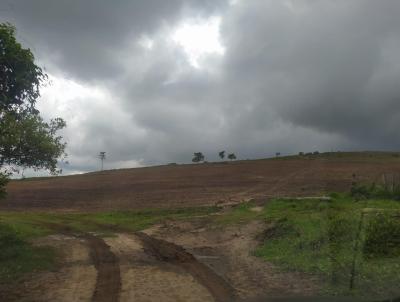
(108, 283)
(175, 254)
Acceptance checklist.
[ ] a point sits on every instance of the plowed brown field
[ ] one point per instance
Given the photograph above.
(199, 184)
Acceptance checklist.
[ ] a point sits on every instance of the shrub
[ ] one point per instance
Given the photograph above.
(10, 244)
(382, 236)
(374, 191)
(360, 191)
(338, 229)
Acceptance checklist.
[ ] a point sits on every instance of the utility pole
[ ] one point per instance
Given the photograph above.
(102, 156)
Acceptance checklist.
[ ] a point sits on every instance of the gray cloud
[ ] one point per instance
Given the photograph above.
(85, 38)
(295, 76)
(319, 64)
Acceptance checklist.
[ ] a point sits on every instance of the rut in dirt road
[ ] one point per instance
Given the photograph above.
(172, 253)
(108, 282)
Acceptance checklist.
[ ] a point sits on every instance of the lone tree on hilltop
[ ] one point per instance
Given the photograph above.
(198, 157)
(222, 154)
(26, 140)
(232, 156)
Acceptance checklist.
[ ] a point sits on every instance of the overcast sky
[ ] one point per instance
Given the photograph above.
(152, 81)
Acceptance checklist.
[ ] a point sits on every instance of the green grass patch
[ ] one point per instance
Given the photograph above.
(241, 213)
(330, 237)
(128, 220)
(18, 257)
(30, 225)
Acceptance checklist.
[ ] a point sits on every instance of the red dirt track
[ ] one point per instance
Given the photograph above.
(200, 184)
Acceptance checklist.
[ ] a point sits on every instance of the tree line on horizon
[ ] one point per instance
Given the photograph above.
(199, 156)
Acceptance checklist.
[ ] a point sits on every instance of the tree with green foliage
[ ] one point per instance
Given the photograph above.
(3, 183)
(232, 156)
(26, 140)
(222, 155)
(198, 157)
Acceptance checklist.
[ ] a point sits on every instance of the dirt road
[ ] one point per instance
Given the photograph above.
(174, 261)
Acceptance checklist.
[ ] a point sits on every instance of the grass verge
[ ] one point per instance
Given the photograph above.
(330, 238)
(18, 257)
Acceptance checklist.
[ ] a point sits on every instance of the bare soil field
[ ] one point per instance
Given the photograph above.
(199, 184)
(203, 256)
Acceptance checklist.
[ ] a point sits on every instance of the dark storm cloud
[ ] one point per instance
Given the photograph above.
(296, 76)
(86, 38)
(324, 65)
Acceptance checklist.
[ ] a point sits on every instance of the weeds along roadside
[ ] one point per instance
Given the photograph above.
(352, 245)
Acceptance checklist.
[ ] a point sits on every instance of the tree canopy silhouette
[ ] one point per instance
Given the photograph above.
(197, 157)
(26, 140)
(232, 156)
